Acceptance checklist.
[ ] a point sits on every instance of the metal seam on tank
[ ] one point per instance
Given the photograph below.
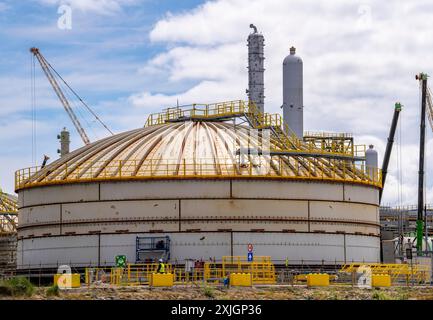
(238, 141)
(180, 143)
(170, 131)
(91, 153)
(217, 165)
(147, 145)
(131, 140)
(144, 140)
(168, 139)
(182, 147)
(93, 150)
(117, 144)
(195, 134)
(217, 131)
(57, 165)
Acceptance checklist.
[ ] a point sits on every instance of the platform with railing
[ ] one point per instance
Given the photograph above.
(262, 167)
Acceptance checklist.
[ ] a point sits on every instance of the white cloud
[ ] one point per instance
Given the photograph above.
(359, 59)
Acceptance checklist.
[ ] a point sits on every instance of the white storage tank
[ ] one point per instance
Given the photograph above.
(371, 162)
(157, 182)
(293, 103)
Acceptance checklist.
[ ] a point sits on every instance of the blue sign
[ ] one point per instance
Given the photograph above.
(250, 256)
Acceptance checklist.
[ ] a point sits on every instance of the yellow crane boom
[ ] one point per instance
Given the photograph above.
(46, 68)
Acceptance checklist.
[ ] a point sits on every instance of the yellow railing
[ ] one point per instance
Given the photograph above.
(286, 138)
(320, 134)
(255, 167)
(199, 111)
(262, 270)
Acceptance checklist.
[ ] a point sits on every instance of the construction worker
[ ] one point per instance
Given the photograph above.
(226, 280)
(161, 267)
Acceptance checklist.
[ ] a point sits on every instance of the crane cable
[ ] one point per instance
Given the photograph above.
(78, 112)
(79, 98)
(33, 106)
(399, 166)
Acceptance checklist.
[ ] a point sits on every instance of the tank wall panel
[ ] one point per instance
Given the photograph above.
(183, 246)
(60, 194)
(362, 249)
(296, 247)
(165, 189)
(113, 245)
(48, 213)
(346, 211)
(20, 252)
(283, 190)
(40, 231)
(165, 226)
(244, 208)
(361, 194)
(244, 226)
(128, 210)
(342, 228)
(20, 199)
(51, 252)
(200, 245)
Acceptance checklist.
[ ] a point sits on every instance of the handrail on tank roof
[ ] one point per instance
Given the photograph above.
(261, 168)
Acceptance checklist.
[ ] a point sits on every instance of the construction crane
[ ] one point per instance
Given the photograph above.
(47, 68)
(422, 78)
(388, 150)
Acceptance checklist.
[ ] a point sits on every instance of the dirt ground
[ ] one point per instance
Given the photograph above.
(219, 293)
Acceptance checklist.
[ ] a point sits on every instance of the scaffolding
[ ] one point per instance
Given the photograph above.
(8, 233)
(148, 248)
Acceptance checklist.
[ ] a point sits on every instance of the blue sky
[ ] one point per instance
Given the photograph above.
(128, 58)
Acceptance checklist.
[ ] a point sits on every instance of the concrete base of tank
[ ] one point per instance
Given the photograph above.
(309, 222)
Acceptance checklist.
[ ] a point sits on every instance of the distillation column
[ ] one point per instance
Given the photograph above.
(256, 90)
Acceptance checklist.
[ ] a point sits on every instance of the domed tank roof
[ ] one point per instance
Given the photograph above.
(190, 149)
(292, 57)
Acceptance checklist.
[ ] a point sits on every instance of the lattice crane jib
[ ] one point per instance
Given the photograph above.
(47, 70)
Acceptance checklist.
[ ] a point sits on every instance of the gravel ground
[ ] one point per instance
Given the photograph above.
(254, 293)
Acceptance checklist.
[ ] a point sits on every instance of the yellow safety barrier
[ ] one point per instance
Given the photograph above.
(397, 271)
(161, 280)
(317, 280)
(68, 280)
(300, 277)
(261, 268)
(241, 279)
(141, 273)
(380, 280)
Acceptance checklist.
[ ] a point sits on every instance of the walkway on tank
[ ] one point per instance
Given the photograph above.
(313, 145)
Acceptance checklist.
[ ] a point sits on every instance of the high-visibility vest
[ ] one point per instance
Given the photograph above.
(161, 268)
